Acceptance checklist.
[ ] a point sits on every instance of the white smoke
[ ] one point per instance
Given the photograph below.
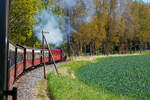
(48, 22)
(69, 3)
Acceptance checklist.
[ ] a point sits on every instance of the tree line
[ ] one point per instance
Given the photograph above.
(117, 26)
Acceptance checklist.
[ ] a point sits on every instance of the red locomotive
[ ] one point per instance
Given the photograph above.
(21, 59)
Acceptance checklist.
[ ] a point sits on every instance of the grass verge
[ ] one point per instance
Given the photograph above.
(42, 92)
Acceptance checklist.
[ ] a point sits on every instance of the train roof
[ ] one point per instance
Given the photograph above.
(21, 46)
(11, 43)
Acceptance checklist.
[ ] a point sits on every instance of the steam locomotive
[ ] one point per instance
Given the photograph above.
(22, 59)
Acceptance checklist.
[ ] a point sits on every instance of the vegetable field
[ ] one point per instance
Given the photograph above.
(129, 75)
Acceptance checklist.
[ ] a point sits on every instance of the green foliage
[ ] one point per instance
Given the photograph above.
(22, 20)
(122, 75)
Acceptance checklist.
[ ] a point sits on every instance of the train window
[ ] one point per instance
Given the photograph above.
(11, 55)
(28, 53)
(20, 55)
(46, 53)
(37, 53)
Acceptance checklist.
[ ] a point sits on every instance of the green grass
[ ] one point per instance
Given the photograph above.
(146, 52)
(74, 65)
(42, 92)
(128, 75)
(112, 78)
(66, 88)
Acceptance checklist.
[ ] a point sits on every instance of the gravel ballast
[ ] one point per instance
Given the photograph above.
(26, 83)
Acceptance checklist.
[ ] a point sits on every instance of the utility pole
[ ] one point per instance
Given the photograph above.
(4, 4)
(44, 41)
(43, 49)
(51, 56)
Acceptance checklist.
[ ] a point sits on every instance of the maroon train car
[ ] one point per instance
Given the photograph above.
(20, 61)
(46, 57)
(22, 58)
(28, 58)
(11, 64)
(56, 54)
(37, 57)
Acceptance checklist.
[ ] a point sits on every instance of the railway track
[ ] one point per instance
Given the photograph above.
(25, 84)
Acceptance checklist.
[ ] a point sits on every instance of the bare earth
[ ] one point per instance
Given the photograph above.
(41, 92)
(91, 58)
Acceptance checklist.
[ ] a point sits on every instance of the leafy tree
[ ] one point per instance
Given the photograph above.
(22, 20)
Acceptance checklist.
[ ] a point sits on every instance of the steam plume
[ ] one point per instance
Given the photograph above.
(48, 22)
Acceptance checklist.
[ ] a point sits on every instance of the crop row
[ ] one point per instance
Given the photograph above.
(128, 75)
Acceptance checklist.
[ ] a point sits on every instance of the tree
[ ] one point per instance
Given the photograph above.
(22, 20)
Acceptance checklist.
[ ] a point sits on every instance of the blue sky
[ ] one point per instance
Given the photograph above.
(146, 0)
